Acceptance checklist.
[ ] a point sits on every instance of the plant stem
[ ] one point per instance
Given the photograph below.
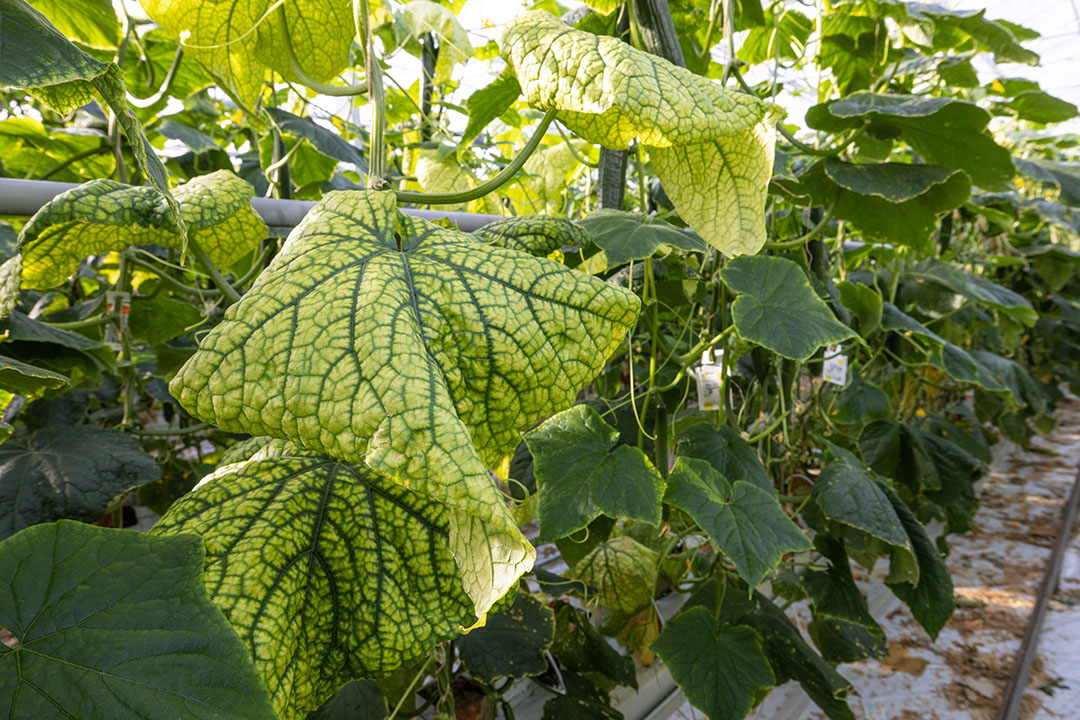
(104, 319)
(166, 86)
(153, 432)
(212, 271)
(497, 181)
(409, 689)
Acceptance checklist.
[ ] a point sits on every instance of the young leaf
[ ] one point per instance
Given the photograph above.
(488, 103)
(538, 235)
(511, 643)
(71, 472)
(424, 17)
(746, 522)
(777, 309)
(626, 236)
(582, 472)
(890, 201)
(712, 149)
(238, 41)
(327, 570)
(722, 669)
(104, 215)
(116, 624)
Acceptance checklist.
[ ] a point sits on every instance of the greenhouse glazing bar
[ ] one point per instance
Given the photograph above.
(25, 197)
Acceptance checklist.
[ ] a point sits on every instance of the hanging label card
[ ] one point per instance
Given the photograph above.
(836, 365)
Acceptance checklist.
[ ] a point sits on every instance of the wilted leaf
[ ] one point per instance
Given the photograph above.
(623, 571)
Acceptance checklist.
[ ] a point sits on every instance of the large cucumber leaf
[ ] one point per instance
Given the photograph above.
(712, 149)
(746, 522)
(381, 338)
(512, 642)
(583, 472)
(778, 309)
(116, 624)
(239, 41)
(623, 571)
(539, 235)
(104, 215)
(327, 570)
(67, 472)
(842, 627)
(977, 289)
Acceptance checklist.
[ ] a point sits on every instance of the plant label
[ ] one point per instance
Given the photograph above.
(120, 303)
(836, 365)
(709, 376)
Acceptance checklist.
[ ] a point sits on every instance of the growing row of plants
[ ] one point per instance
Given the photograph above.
(706, 352)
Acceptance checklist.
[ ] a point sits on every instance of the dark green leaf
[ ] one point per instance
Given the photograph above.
(778, 309)
(890, 202)
(726, 451)
(512, 642)
(842, 627)
(579, 647)
(745, 521)
(625, 236)
(977, 289)
(328, 143)
(722, 669)
(849, 495)
(358, 700)
(864, 302)
(931, 600)
(861, 402)
(116, 624)
(71, 472)
(160, 319)
(582, 472)
(199, 142)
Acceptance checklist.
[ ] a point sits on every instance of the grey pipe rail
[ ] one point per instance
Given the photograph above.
(25, 197)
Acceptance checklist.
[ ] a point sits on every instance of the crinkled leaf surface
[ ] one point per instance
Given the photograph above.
(381, 338)
(778, 309)
(942, 130)
(890, 201)
(116, 624)
(626, 236)
(67, 472)
(238, 41)
(539, 235)
(104, 215)
(511, 643)
(746, 522)
(623, 571)
(721, 668)
(706, 142)
(977, 289)
(327, 570)
(547, 173)
(582, 471)
(10, 284)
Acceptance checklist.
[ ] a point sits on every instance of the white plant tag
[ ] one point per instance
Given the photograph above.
(709, 380)
(835, 368)
(120, 303)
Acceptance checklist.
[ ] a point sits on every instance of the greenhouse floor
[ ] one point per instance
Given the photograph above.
(997, 569)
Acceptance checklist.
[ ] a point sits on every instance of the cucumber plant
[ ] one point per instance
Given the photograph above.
(705, 354)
